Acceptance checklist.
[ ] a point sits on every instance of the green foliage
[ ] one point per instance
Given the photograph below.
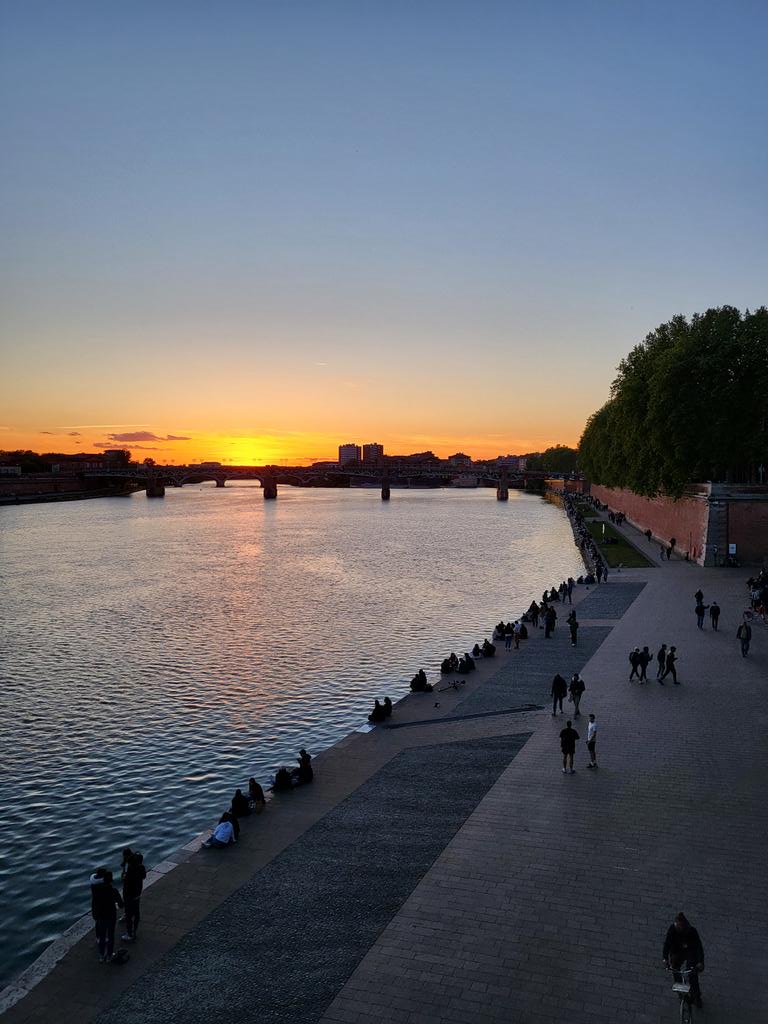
(689, 403)
(560, 459)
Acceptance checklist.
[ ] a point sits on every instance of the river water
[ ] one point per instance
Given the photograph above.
(155, 653)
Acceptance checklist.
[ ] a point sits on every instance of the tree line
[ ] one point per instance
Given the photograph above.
(690, 403)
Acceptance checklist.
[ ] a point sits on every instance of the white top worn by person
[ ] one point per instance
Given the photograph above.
(224, 832)
(591, 732)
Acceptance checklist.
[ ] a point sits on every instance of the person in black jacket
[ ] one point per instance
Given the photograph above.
(559, 690)
(682, 947)
(133, 883)
(105, 899)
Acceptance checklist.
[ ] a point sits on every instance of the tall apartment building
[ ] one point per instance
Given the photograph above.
(349, 453)
(373, 453)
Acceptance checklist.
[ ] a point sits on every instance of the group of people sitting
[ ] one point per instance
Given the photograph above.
(227, 831)
(380, 711)
(463, 665)
(419, 683)
(290, 778)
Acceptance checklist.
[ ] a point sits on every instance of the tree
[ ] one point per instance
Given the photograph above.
(689, 403)
(560, 459)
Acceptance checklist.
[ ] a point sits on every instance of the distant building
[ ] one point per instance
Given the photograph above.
(372, 453)
(349, 453)
(459, 459)
(515, 462)
(78, 463)
(6, 470)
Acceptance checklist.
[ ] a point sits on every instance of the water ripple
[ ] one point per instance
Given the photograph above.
(157, 653)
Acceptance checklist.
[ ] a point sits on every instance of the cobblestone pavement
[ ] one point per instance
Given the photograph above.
(550, 902)
(303, 923)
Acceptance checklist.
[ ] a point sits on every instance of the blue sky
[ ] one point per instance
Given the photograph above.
(377, 201)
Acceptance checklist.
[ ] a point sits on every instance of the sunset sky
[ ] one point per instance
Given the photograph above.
(249, 231)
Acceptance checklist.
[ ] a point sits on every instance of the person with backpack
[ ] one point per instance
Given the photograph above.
(105, 899)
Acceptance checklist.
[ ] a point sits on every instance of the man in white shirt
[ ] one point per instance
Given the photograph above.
(592, 741)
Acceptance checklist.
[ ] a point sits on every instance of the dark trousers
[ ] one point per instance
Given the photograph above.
(673, 670)
(744, 648)
(714, 619)
(548, 631)
(132, 914)
(508, 641)
(635, 672)
(105, 935)
(700, 621)
(660, 670)
(643, 676)
(555, 702)
(573, 637)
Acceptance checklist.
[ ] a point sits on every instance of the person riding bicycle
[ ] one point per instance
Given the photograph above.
(683, 945)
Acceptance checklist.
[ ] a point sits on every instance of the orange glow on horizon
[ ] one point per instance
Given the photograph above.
(274, 449)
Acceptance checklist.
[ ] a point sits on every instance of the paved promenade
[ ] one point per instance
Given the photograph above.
(445, 871)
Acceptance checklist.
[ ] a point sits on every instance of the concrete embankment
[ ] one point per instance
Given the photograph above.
(445, 869)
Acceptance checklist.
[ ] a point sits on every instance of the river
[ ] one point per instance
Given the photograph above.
(155, 653)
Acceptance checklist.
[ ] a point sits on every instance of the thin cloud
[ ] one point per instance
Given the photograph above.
(145, 435)
(134, 447)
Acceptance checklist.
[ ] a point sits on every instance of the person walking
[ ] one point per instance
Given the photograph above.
(559, 690)
(699, 596)
(517, 630)
(571, 585)
(661, 660)
(592, 741)
(714, 614)
(634, 661)
(574, 628)
(568, 737)
(508, 639)
(644, 660)
(701, 610)
(105, 899)
(744, 634)
(576, 690)
(669, 665)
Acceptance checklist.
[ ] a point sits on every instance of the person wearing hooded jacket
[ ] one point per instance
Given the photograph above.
(105, 899)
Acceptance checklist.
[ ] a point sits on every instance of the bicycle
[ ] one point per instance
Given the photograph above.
(683, 990)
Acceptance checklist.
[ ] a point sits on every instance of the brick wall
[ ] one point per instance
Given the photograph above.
(748, 530)
(685, 519)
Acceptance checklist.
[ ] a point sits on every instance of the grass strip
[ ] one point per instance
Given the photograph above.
(622, 553)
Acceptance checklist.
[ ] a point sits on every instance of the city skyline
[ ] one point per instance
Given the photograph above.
(242, 238)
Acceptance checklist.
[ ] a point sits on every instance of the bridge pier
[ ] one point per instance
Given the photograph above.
(269, 488)
(155, 489)
(220, 481)
(385, 489)
(502, 489)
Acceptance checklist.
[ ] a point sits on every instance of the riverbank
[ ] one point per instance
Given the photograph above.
(541, 892)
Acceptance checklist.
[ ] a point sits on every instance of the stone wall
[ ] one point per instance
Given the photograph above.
(748, 529)
(704, 522)
(685, 519)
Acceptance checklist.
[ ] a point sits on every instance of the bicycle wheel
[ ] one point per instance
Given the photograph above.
(686, 1011)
